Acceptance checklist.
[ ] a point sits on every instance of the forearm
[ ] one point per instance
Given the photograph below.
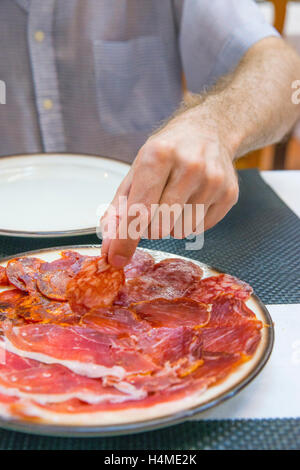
(253, 106)
(188, 161)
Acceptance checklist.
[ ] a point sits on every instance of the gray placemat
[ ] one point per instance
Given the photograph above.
(258, 241)
(226, 434)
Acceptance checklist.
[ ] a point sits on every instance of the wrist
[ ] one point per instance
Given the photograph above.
(213, 118)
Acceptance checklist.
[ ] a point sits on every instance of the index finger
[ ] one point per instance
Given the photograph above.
(149, 179)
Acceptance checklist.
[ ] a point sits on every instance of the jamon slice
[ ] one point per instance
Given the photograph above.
(232, 328)
(53, 383)
(172, 313)
(243, 338)
(180, 348)
(216, 366)
(3, 277)
(169, 279)
(83, 350)
(140, 263)
(228, 310)
(209, 288)
(23, 273)
(95, 286)
(53, 278)
(115, 320)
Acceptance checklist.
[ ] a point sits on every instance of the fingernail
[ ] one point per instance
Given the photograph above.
(119, 261)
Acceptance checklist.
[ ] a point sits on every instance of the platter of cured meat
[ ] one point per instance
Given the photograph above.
(88, 349)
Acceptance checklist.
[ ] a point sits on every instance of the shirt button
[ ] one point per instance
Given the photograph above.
(48, 104)
(39, 36)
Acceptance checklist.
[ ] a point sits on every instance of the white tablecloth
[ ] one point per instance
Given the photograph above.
(275, 392)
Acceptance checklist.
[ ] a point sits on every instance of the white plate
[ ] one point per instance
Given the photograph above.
(134, 419)
(51, 195)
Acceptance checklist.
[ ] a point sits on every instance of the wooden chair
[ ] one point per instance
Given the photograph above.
(280, 7)
(254, 159)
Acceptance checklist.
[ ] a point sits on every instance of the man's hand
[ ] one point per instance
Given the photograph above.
(190, 159)
(186, 162)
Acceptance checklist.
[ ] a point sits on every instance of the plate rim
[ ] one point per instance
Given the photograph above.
(59, 233)
(76, 431)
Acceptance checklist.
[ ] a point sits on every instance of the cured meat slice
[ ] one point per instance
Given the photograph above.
(20, 307)
(3, 277)
(216, 366)
(172, 313)
(36, 308)
(53, 285)
(143, 288)
(169, 279)
(228, 310)
(53, 278)
(23, 272)
(243, 338)
(140, 263)
(83, 350)
(9, 300)
(180, 347)
(209, 288)
(178, 273)
(115, 320)
(52, 383)
(96, 285)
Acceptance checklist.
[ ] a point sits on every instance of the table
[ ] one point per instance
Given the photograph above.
(266, 414)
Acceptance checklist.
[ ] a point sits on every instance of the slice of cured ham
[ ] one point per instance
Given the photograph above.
(215, 368)
(53, 383)
(180, 347)
(216, 365)
(243, 338)
(172, 313)
(228, 310)
(115, 320)
(83, 350)
(96, 285)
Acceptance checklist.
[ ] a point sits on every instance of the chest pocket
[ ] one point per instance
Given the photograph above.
(134, 84)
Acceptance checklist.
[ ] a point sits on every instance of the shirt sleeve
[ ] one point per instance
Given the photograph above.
(214, 35)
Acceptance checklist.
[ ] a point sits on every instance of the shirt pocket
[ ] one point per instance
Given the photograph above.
(133, 85)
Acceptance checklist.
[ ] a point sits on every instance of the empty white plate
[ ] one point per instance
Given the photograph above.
(51, 195)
